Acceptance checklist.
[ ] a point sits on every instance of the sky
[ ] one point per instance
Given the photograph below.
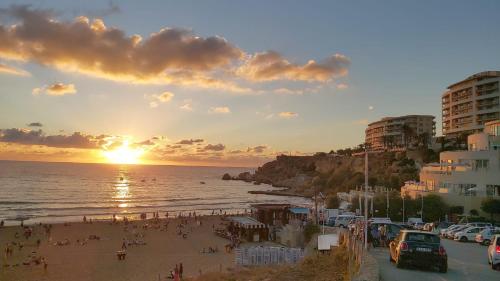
(226, 83)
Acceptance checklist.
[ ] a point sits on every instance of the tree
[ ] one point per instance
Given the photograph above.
(474, 213)
(456, 210)
(491, 206)
(333, 202)
(434, 207)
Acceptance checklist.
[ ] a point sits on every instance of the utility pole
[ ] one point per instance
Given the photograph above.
(403, 208)
(422, 207)
(316, 203)
(366, 197)
(387, 197)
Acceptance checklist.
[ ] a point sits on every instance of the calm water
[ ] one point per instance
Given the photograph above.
(56, 192)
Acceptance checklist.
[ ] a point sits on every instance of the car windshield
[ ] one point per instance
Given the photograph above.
(422, 237)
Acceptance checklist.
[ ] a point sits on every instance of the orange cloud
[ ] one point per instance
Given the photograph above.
(169, 56)
(220, 110)
(288, 114)
(271, 65)
(94, 49)
(56, 89)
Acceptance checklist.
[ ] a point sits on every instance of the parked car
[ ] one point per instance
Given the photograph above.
(418, 248)
(450, 234)
(468, 234)
(331, 221)
(449, 228)
(343, 220)
(484, 237)
(482, 224)
(379, 220)
(494, 252)
(444, 225)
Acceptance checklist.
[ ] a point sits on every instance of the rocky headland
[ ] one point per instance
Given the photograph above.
(330, 172)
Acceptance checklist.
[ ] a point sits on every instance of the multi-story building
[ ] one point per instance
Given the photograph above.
(470, 103)
(400, 132)
(464, 178)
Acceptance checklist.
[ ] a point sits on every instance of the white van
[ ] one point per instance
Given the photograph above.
(343, 220)
(379, 220)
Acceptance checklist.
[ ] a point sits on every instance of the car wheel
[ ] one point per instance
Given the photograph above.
(443, 268)
(486, 242)
(463, 239)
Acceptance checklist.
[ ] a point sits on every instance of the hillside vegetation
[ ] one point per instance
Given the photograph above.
(331, 173)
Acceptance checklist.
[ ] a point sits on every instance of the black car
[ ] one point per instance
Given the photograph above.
(413, 247)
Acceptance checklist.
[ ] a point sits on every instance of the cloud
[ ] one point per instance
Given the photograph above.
(38, 137)
(271, 65)
(161, 98)
(190, 141)
(214, 147)
(187, 105)
(370, 107)
(35, 124)
(6, 69)
(219, 110)
(257, 149)
(342, 86)
(56, 89)
(288, 114)
(171, 55)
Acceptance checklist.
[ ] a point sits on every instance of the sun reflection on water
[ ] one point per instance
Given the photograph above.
(122, 193)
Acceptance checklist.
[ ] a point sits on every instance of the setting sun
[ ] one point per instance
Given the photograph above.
(124, 155)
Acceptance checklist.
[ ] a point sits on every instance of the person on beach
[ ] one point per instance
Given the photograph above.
(181, 270)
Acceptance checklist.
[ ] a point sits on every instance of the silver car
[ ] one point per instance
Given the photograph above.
(494, 252)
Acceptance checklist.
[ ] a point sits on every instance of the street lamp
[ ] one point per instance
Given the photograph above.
(366, 197)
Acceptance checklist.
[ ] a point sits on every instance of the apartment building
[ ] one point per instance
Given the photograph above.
(470, 103)
(400, 132)
(464, 178)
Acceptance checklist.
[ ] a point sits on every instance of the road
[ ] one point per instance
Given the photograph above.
(466, 262)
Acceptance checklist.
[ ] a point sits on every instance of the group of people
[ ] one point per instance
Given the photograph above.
(378, 235)
(176, 273)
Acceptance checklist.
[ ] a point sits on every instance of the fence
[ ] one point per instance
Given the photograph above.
(354, 243)
(259, 255)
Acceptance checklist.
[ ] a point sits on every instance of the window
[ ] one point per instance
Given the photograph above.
(422, 237)
(492, 190)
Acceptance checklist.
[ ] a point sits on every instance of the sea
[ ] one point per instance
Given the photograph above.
(36, 192)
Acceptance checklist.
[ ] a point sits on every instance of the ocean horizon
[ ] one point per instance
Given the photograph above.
(52, 192)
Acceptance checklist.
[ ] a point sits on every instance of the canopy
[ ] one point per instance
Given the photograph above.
(299, 211)
(247, 222)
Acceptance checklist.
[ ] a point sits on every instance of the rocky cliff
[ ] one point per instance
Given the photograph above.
(332, 173)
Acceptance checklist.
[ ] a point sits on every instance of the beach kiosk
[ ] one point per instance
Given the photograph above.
(249, 228)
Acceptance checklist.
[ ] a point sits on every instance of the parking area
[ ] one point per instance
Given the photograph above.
(466, 262)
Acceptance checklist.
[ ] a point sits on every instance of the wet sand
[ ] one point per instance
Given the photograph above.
(96, 260)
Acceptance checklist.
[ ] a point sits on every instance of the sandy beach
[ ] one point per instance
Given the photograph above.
(96, 259)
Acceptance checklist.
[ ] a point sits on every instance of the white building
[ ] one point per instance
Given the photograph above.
(464, 178)
(470, 103)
